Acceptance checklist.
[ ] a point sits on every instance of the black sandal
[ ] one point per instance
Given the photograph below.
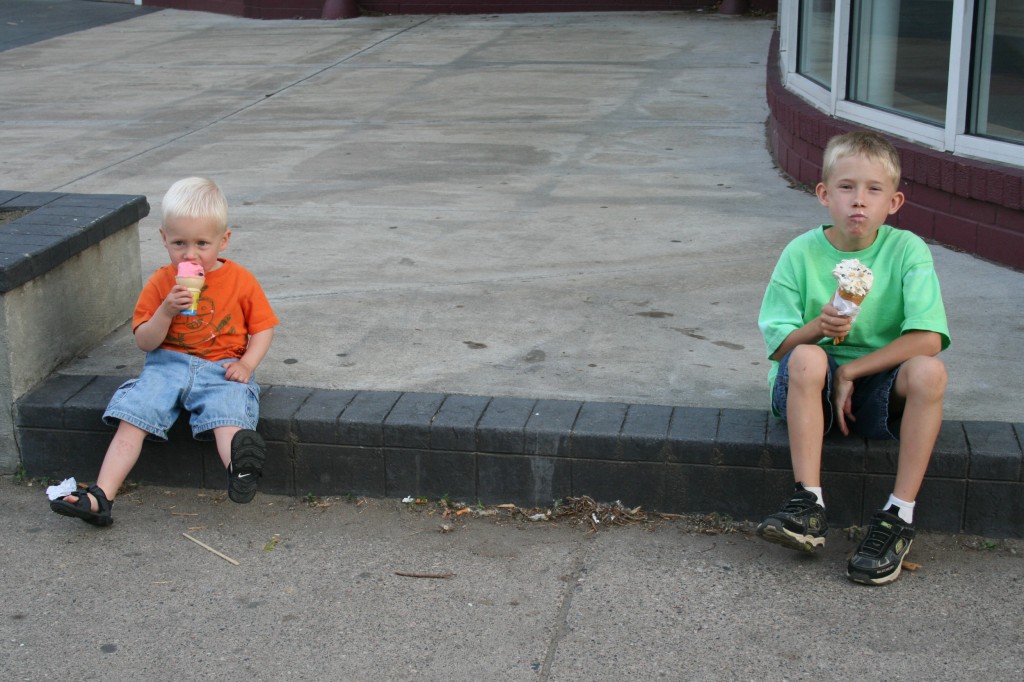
(248, 451)
(82, 509)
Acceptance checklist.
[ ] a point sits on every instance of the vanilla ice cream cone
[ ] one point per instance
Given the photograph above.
(852, 298)
(855, 281)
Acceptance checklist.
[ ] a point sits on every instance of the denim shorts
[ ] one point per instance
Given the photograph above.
(173, 381)
(870, 402)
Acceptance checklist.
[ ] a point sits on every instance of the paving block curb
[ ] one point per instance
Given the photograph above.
(673, 459)
(58, 226)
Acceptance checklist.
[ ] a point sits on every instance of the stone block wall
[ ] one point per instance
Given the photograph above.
(69, 275)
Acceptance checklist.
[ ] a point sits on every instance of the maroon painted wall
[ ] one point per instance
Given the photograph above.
(313, 9)
(969, 205)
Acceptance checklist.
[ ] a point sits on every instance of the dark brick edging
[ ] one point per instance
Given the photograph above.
(532, 452)
(965, 203)
(58, 227)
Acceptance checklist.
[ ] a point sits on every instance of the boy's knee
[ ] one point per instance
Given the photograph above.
(808, 359)
(925, 376)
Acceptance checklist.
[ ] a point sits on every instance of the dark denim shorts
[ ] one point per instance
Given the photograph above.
(172, 381)
(870, 401)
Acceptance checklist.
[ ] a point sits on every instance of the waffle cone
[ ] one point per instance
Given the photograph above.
(195, 286)
(852, 298)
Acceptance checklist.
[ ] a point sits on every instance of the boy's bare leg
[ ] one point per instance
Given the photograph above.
(919, 390)
(243, 453)
(122, 454)
(805, 419)
(801, 524)
(921, 385)
(223, 436)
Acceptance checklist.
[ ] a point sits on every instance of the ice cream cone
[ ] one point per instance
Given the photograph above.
(192, 277)
(856, 299)
(855, 281)
(852, 298)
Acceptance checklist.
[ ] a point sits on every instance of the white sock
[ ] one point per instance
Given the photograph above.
(817, 493)
(904, 509)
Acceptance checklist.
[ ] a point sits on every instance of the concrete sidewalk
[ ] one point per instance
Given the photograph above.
(545, 206)
(316, 596)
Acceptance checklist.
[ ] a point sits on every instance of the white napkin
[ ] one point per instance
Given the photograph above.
(66, 487)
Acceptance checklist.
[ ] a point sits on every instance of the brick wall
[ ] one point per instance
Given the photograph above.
(967, 204)
(530, 452)
(313, 9)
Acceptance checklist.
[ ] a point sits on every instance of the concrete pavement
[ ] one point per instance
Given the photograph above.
(547, 206)
(316, 595)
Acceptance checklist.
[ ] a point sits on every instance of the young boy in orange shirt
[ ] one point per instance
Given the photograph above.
(202, 362)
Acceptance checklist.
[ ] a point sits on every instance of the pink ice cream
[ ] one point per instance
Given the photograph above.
(189, 269)
(191, 276)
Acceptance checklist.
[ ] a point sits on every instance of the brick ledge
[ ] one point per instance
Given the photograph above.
(531, 452)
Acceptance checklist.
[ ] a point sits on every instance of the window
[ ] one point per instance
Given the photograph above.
(947, 74)
(814, 50)
(997, 73)
(899, 56)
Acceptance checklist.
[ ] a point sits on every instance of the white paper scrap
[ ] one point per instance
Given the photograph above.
(65, 487)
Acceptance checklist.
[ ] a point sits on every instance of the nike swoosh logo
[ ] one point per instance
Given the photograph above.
(243, 475)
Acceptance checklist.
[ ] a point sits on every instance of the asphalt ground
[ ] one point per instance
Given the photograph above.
(575, 206)
(23, 22)
(587, 200)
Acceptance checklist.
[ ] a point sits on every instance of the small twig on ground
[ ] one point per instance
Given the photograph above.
(424, 575)
(225, 557)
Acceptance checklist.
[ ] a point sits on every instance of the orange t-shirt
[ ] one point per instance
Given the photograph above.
(232, 307)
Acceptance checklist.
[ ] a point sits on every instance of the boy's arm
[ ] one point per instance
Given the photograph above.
(829, 324)
(242, 369)
(151, 333)
(913, 343)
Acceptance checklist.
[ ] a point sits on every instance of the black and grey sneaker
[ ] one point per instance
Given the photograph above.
(248, 451)
(879, 558)
(800, 525)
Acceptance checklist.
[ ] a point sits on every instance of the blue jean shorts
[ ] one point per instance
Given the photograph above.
(870, 402)
(171, 382)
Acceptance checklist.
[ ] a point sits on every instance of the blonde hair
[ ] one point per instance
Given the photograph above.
(870, 145)
(195, 198)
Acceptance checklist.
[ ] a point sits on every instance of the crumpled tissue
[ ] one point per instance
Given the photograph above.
(66, 487)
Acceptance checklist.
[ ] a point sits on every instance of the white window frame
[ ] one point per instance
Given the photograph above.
(832, 102)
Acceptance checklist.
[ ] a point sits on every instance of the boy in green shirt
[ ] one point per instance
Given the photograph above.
(883, 381)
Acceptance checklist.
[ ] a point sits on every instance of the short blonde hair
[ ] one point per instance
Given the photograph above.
(195, 198)
(870, 145)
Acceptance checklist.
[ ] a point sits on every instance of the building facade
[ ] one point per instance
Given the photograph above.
(944, 79)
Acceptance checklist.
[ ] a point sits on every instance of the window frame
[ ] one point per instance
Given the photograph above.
(832, 101)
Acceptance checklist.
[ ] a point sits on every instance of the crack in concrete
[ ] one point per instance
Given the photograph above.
(562, 622)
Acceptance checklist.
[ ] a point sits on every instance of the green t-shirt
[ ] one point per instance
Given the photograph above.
(904, 297)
